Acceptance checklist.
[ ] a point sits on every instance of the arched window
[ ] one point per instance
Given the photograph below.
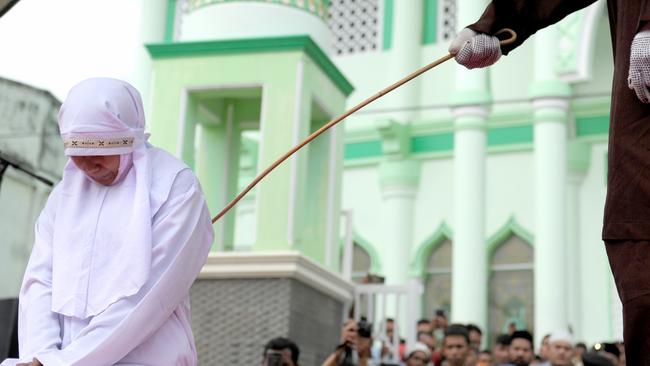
(511, 286)
(437, 287)
(361, 264)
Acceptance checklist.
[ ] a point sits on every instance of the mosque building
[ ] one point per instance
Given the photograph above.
(483, 190)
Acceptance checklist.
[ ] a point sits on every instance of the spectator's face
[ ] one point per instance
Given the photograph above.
(101, 169)
(286, 357)
(427, 339)
(455, 349)
(579, 351)
(521, 352)
(501, 354)
(417, 358)
(543, 351)
(471, 359)
(389, 329)
(560, 353)
(475, 340)
(440, 322)
(484, 358)
(424, 328)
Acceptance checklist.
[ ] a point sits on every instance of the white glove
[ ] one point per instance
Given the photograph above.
(639, 74)
(474, 50)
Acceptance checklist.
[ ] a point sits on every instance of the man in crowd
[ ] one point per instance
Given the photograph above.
(418, 355)
(354, 345)
(560, 349)
(455, 345)
(424, 326)
(484, 358)
(475, 335)
(280, 351)
(427, 339)
(543, 350)
(501, 355)
(521, 348)
(439, 325)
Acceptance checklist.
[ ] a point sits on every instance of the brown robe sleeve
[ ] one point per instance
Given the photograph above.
(525, 17)
(645, 14)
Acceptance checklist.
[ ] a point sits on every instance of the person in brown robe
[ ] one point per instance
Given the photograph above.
(626, 229)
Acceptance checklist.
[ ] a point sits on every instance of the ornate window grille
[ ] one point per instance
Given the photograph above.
(447, 20)
(354, 25)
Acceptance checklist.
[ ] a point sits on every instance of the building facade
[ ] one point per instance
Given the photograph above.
(485, 187)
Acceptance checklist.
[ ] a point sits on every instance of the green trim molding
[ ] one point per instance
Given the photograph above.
(170, 21)
(255, 45)
(420, 258)
(511, 227)
(362, 150)
(589, 126)
(388, 25)
(432, 143)
(429, 21)
(500, 138)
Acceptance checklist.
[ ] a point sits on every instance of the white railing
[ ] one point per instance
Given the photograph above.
(399, 302)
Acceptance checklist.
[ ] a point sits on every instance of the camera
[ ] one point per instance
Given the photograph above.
(274, 359)
(364, 328)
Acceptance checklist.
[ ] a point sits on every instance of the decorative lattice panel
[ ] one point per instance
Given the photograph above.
(232, 319)
(354, 25)
(447, 20)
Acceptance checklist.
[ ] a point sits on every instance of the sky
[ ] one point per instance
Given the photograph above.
(54, 44)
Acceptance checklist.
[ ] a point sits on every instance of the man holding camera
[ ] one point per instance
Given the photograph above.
(280, 352)
(354, 348)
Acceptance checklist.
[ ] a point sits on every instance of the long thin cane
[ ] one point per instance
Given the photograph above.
(511, 39)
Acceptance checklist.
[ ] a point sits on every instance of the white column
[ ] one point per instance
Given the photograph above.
(398, 189)
(398, 179)
(550, 102)
(405, 55)
(550, 143)
(469, 267)
(152, 30)
(574, 298)
(469, 272)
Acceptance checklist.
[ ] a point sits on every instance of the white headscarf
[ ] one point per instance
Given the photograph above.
(102, 235)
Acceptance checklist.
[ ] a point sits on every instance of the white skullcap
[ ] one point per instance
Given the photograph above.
(418, 346)
(561, 336)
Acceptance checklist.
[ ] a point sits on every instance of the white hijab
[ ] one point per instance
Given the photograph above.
(102, 234)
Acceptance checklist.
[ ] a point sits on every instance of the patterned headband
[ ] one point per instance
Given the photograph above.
(97, 143)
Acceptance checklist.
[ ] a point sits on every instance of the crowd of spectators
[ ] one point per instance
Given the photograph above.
(441, 344)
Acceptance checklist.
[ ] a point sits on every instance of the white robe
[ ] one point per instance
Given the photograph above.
(151, 327)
